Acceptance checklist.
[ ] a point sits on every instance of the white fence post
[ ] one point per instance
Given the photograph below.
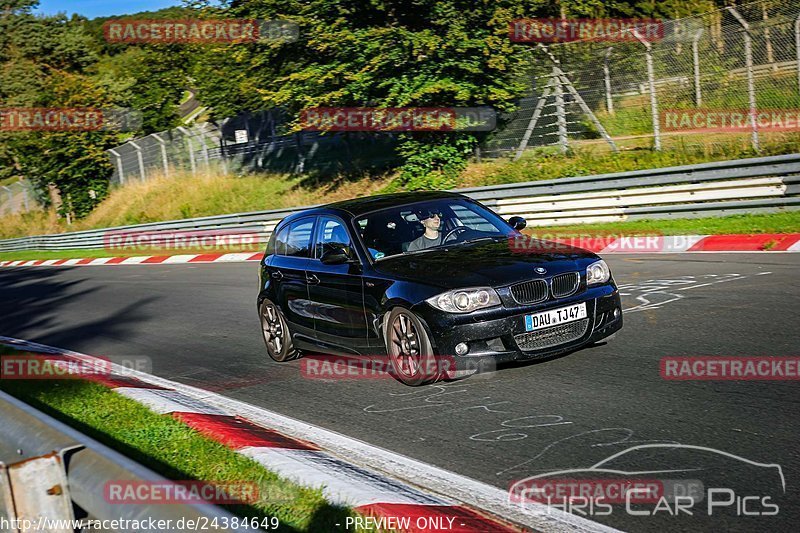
(163, 153)
(139, 158)
(751, 87)
(797, 49)
(120, 170)
(561, 116)
(698, 95)
(607, 80)
(190, 148)
(652, 87)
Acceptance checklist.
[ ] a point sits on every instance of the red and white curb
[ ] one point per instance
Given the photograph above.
(373, 481)
(761, 242)
(766, 242)
(140, 260)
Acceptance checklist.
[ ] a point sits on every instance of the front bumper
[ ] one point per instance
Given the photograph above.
(494, 335)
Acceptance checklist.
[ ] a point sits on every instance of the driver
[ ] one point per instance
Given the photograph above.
(430, 220)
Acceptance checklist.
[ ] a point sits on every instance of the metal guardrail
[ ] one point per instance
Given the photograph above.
(48, 469)
(763, 184)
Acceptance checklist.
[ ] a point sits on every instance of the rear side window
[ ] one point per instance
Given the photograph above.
(331, 232)
(294, 240)
(271, 244)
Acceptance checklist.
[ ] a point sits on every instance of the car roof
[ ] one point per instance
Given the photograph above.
(358, 206)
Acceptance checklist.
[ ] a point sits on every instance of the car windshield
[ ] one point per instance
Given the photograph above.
(421, 226)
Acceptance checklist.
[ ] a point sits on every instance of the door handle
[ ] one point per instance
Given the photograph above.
(277, 275)
(312, 279)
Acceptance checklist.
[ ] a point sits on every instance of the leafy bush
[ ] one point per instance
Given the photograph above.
(433, 163)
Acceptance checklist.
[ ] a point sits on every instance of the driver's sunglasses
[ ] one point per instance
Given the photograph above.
(434, 214)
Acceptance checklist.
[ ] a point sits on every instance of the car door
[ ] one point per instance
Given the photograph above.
(287, 271)
(336, 291)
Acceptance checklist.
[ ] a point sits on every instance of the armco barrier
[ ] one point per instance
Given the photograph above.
(757, 185)
(48, 470)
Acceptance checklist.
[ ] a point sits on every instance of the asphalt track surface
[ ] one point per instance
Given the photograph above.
(198, 325)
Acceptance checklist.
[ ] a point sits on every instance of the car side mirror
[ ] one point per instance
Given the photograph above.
(517, 223)
(335, 255)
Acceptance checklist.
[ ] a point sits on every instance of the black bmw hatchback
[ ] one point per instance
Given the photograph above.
(419, 276)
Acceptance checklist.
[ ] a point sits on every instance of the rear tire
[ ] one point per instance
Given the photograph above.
(276, 334)
(409, 349)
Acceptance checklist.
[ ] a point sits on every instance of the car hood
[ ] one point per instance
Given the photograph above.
(492, 264)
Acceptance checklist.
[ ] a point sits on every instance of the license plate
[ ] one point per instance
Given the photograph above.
(554, 317)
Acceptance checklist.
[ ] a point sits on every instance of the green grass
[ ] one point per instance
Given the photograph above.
(788, 222)
(185, 196)
(214, 193)
(174, 450)
(594, 157)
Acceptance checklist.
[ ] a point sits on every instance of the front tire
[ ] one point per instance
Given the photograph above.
(409, 349)
(275, 332)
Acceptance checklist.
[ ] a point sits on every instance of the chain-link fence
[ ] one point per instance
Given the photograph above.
(735, 70)
(164, 153)
(17, 197)
(240, 146)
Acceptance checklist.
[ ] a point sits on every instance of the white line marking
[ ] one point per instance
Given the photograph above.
(341, 482)
(235, 257)
(169, 401)
(179, 259)
(134, 260)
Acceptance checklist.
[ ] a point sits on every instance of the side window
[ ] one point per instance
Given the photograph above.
(472, 220)
(280, 241)
(330, 231)
(271, 244)
(294, 240)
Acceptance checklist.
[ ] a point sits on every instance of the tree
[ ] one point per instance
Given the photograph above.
(57, 62)
(392, 53)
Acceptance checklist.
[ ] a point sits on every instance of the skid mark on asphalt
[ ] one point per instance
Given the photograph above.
(655, 293)
(517, 425)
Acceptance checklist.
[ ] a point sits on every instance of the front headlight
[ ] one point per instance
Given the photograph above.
(465, 300)
(598, 272)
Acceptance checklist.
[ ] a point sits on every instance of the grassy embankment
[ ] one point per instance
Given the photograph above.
(188, 196)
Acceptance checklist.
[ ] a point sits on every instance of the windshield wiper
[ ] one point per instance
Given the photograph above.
(401, 254)
(494, 238)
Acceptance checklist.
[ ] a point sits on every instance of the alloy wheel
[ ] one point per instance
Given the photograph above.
(405, 345)
(273, 329)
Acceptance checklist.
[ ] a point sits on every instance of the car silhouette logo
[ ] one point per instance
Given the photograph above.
(540, 270)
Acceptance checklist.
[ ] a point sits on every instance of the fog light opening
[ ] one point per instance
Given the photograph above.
(616, 312)
(461, 348)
